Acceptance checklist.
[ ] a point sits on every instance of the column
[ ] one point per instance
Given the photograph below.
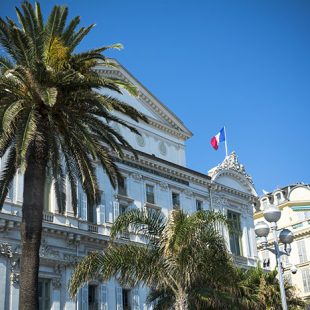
(3, 280)
(56, 286)
(14, 291)
(69, 303)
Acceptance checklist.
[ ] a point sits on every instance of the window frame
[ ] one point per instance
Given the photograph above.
(305, 275)
(235, 239)
(176, 206)
(150, 185)
(122, 189)
(196, 204)
(43, 299)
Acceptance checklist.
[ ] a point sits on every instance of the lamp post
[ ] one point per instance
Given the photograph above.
(272, 214)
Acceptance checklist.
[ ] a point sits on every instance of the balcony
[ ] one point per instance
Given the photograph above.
(48, 217)
(93, 228)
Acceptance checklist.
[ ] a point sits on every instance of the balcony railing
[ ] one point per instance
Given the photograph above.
(92, 228)
(48, 217)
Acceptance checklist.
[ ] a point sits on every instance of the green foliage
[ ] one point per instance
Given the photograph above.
(49, 100)
(179, 253)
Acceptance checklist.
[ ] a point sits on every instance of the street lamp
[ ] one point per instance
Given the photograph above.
(272, 214)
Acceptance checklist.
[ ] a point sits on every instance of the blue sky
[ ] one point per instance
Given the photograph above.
(243, 64)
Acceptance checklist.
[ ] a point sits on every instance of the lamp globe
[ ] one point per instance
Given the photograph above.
(272, 214)
(286, 236)
(261, 229)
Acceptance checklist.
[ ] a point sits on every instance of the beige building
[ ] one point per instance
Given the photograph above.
(294, 202)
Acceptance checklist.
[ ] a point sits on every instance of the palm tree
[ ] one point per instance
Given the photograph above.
(54, 121)
(257, 289)
(177, 252)
(242, 290)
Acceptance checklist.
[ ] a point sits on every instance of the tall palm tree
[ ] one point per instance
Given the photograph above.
(54, 121)
(178, 251)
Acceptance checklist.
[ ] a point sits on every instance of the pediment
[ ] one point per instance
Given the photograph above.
(233, 174)
(158, 114)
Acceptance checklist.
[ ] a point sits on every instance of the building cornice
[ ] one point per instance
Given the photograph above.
(282, 205)
(175, 128)
(179, 173)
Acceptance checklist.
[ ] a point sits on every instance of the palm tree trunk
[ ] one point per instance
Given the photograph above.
(181, 300)
(31, 229)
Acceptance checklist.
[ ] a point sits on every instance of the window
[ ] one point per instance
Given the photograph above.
(126, 299)
(10, 191)
(302, 251)
(91, 214)
(47, 195)
(265, 202)
(175, 200)
(265, 259)
(278, 198)
(122, 208)
(199, 205)
(44, 287)
(122, 187)
(235, 232)
(305, 273)
(93, 297)
(150, 196)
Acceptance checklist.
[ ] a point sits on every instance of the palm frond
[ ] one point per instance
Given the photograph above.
(7, 175)
(147, 221)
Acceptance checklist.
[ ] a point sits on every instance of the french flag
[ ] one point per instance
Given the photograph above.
(220, 137)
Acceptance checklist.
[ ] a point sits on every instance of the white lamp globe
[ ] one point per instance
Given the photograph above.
(261, 229)
(272, 214)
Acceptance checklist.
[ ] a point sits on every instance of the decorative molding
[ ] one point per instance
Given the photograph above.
(188, 193)
(176, 173)
(56, 283)
(140, 140)
(178, 130)
(47, 252)
(231, 162)
(219, 201)
(14, 277)
(162, 148)
(6, 250)
(58, 268)
(70, 259)
(137, 176)
(163, 186)
(12, 256)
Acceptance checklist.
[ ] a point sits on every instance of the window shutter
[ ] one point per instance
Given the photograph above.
(85, 297)
(306, 279)
(136, 299)
(104, 297)
(119, 298)
(101, 214)
(302, 251)
(20, 187)
(10, 194)
(82, 203)
(115, 210)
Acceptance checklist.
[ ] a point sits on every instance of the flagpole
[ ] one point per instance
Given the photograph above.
(226, 149)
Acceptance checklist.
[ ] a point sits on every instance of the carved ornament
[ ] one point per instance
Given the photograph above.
(231, 162)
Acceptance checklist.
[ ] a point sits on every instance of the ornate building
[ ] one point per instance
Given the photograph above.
(294, 202)
(158, 179)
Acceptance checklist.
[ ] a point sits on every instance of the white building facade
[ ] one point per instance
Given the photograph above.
(158, 179)
(294, 203)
